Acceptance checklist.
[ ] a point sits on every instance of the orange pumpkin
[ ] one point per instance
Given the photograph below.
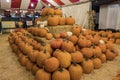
(117, 35)
(41, 74)
(117, 41)
(77, 30)
(103, 58)
(29, 65)
(61, 74)
(87, 52)
(49, 36)
(61, 20)
(103, 47)
(50, 11)
(110, 55)
(43, 55)
(63, 57)
(23, 60)
(68, 46)
(44, 11)
(97, 63)
(51, 64)
(97, 52)
(73, 39)
(58, 11)
(56, 44)
(70, 21)
(77, 56)
(87, 66)
(56, 35)
(35, 68)
(63, 34)
(75, 71)
(33, 55)
(53, 20)
(42, 32)
(109, 45)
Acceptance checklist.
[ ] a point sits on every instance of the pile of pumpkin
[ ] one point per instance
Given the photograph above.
(62, 59)
(110, 36)
(55, 17)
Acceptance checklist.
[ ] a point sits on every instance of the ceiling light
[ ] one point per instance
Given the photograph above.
(49, 4)
(7, 1)
(32, 5)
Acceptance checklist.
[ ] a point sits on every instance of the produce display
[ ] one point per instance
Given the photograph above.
(63, 56)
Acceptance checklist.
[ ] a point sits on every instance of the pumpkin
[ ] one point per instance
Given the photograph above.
(50, 11)
(105, 39)
(110, 35)
(63, 57)
(35, 68)
(48, 48)
(51, 64)
(87, 52)
(49, 36)
(77, 30)
(33, 55)
(109, 45)
(23, 60)
(37, 46)
(68, 46)
(56, 44)
(58, 11)
(115, 51)
(69, 21)
(95, 40)
(41, 74)
(53, 20)
(117, 41)
(82, 42)
(103, 47)
(63, 34)
(61, 74)
(43, 55)
(110, 55)
(56, 35)
(97, 63)
(43, 32)
(75, 71)
(117, 35)
(61, 20)
(103, 58)
(87, 66)
(77, 56)
(29, 65)
(112, 40)
(97, 52)
(116, 78)
(73, 39)
(44, 11)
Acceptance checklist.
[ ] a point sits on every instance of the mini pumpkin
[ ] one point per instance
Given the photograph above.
(29, 65)
(35, 68)
(103, 58)
(110, 55)
(87, 52)
(58, 11)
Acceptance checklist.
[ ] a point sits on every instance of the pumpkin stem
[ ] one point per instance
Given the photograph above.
(74, 63)
(60, 69)
(93, 45)
(44, 50)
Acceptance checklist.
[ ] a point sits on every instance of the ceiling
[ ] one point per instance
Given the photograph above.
(35, 4)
